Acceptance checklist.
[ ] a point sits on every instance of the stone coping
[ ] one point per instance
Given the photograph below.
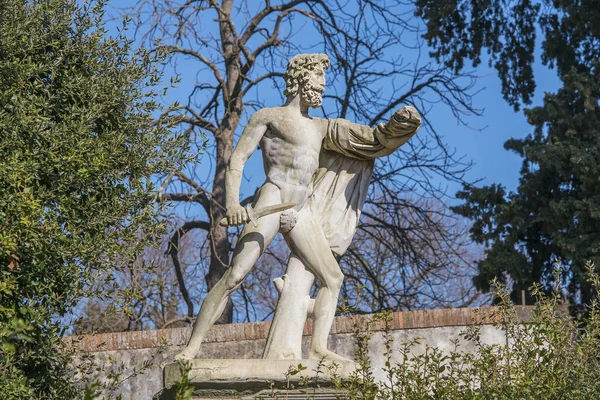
(259, 330)
(243, 373)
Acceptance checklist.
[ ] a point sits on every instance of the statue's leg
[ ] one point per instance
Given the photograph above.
(252, 243)
(308, 242)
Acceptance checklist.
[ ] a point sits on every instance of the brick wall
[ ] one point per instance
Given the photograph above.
(259, 330)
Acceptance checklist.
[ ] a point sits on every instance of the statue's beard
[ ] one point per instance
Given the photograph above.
(312, 94)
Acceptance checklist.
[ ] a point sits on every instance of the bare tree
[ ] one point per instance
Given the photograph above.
(418, 257)
(139, 294)
(240, 50)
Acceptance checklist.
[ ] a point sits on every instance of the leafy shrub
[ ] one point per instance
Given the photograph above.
(77, 150)
(553, 356)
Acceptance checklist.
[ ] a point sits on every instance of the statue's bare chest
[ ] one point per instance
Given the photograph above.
(301, 135)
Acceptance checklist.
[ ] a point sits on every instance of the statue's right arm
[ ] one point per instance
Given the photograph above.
(249, 140)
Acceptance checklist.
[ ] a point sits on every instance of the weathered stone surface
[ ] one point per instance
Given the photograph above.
(312, 393)
(241, 379)
(298, 394)
(243, 374)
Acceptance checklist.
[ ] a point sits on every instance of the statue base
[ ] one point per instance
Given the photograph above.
(246, 379)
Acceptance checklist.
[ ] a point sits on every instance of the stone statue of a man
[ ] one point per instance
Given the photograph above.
(295, 148)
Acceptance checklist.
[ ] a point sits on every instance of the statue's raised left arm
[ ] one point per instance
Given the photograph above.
(365, 143)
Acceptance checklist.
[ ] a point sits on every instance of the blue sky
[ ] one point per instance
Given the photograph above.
(482, 141)
(492, 163)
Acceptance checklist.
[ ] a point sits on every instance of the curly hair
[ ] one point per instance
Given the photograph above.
(299, 68)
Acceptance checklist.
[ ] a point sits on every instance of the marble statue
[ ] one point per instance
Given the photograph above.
(317, 175)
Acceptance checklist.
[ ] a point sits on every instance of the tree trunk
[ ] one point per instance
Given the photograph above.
(219, 252)
(219, 255)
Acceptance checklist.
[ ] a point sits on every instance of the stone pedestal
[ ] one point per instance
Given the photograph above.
(229, 379)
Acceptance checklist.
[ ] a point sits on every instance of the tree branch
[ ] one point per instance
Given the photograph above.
(173, 251)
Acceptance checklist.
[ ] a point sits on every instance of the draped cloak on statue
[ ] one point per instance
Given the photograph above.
(346, 164)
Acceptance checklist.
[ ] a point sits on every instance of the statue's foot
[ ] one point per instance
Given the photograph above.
(328, 356)
(186, 354)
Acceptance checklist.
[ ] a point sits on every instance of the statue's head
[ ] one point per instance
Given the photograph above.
(305, 75)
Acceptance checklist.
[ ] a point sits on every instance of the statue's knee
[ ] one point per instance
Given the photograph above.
(336, 280)
(234, 277)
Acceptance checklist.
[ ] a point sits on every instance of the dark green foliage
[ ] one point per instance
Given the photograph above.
(555, 213)
(76, 153)
(459, 30)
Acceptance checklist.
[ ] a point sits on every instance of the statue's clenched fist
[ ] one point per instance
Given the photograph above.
(236, 215)
(407, 116)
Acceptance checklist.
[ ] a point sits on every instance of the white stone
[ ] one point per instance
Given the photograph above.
(239, 373)
(323, 166)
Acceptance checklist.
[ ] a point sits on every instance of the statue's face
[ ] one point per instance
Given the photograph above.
(314, 87)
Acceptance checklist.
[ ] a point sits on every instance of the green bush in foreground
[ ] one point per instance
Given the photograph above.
(552, 357)
(77, 150)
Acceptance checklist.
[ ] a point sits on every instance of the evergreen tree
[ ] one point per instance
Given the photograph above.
(555, 212)
(77, 149)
